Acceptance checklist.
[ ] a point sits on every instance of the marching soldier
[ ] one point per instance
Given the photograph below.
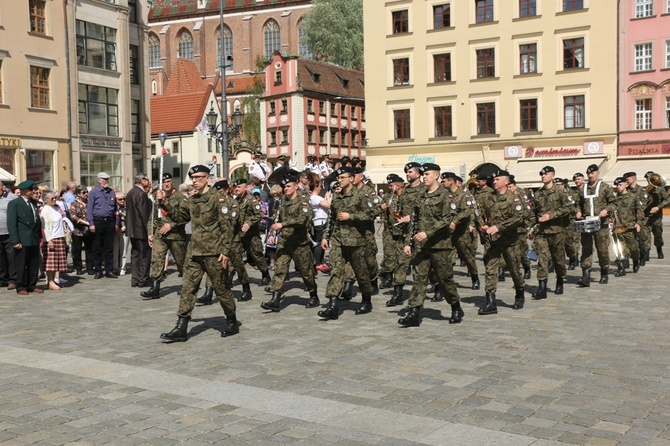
(168, 234)
(429, 244)
(480, 194)
(528, 221)
(291, 224)
(628, 216)
(503, 214)
(658, 199)
(208, 251)
(465, 211)
(410, 198)
(571, 236)
(392, 234)
(350, 212)
(644, 236)
(250, 215)
(371, 249)
(551, 209)
(595, 200)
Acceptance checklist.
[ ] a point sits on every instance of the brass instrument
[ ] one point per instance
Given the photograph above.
(655, 180)
(471, 184)
(482, 219)
(618, 228)
(615, 241)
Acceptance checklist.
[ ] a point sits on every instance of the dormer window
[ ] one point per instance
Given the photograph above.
(278, 78)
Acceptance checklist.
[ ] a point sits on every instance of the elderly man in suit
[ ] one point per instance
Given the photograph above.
(138, 213)
(25, 232)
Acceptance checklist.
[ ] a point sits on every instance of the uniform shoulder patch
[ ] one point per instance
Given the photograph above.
(453, 205)
(518, 207)
(516, 199)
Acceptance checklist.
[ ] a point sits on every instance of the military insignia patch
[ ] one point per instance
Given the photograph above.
(224, 210)
(646, 196)
(453, 205)
(221, 200)
(369, 204)
(376, 200)
(258, 206)
(469, 203)
(234, 214)
(304, 209)
(518, 207)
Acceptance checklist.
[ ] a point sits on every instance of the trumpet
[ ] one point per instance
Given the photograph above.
(482, 219)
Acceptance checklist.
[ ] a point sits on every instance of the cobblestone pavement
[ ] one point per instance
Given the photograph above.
(85, 365)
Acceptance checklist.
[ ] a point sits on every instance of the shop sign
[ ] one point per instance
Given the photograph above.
(9, 142)
(7, 160)
(512, 152)
(594, 148)
(421, 159)
(645, 150)
(102, 143)
(532, 152)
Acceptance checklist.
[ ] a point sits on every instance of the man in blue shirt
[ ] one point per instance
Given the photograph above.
(69, 196)
(102, 211)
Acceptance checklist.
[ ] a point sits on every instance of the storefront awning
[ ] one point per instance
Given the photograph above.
(6, 177)
(527, 173)
(639, 166)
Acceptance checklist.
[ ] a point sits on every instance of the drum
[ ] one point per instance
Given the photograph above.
(588, 225)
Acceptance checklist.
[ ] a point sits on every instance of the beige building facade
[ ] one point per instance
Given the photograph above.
(515, 84)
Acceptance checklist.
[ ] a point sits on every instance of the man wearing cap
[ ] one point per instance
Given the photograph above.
(325, 167)
(628, 217)
(596, 200)
(430, 247)
(208, 252)
(480, 194)
(291, 224)
(392, 233)
(281, 161)
(250, 215)
(313, 165)
(25, 231)
(528, 222)
(658, 199)
(551, 209)
(503, 213)
(258, 168)
(345, 235)
(102, 211)
(138, 214)
(644, 235)
(168, 234)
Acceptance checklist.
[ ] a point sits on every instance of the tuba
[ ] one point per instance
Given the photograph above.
(471, 184)
(655, 180)
(618, 228)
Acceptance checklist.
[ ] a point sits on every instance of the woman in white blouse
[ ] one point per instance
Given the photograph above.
(54, 254)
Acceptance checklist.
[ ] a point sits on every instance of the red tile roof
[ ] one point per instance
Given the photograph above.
(178, 112)
(185, 78)
(164, 9)
(331, 79)
(239, 84)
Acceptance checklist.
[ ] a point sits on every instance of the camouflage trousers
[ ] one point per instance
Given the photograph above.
(194, 268)
(601, 238)
(550, 246)
(436, 262)
(254, 247)
(522, 249)
(629, 243)
(304, 261)
(571, 242)
(462, 242)
(404, 261)
(644, 236)
(340, 257)
(509, 250)
(159, 251)
(369, 256)
(390, 252)
(236, 262)
(655, 227)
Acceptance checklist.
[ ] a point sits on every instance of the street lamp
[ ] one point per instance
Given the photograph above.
(228, 131)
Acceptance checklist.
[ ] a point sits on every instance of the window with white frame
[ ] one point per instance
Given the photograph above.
(644, 8)
(643, 114)
(643, 57)
(528, 58)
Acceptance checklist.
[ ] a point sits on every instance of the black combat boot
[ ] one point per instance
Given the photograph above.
(541, 292)
(154, 292)
(246, 293)
(366, 306)
(386, 281)
(231, 276)
(550, 266)
(501, 274)
(636, 266)
(179, 332)
(265, 279)
(438, 296)
(313, 300)
(490, 305)
(559, 285)
(396, 298)
(526, 272)
(646, 254)
(621, 269)
(331, 311)
(467, 274)
(642, 262)
(626, 263)
(374, 287)
(273, 303)
(475, 282)
(572, 264)
(206, 299)
(519, 298)
(348, 291)
(462, 262)
(231, 328)
(456, 313)
(585, 281)
(659, 251)
(412, 319)
(603, 276)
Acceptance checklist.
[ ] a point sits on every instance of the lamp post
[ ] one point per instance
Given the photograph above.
(228, 131)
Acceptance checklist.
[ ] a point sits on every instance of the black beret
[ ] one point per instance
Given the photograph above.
(648, 174)
(629, 174)
(221, 184)
(450, 175)
(577, 175)
(358, 170)
(394, 178)
(199, 168)
(564, 181)
(547, 169)
(430, 166)
(458, 179)
(500, 173)
(345, 170)
(287, 180)
(512, 179)
(558, 180)
(619, 180)
(473, 172)
(592, 168)
(412, 165)
(240, 181)
(167, 176)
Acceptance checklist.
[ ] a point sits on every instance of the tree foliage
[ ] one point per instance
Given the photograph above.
(333, 31)
(251, 124)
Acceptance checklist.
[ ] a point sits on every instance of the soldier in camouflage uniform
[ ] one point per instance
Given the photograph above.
(168, 234)
(480, 193)
(629, 214)
(571, 236)
(350, 212)
(461, 229)
(429, 244)
(250, 215)
(208, 251)
(658, 199)
(528, 221)
(504, 213)
(551, 210)
(392, 234)
(644, 236)
(595, 200)
(292, 221)
(409, 199)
